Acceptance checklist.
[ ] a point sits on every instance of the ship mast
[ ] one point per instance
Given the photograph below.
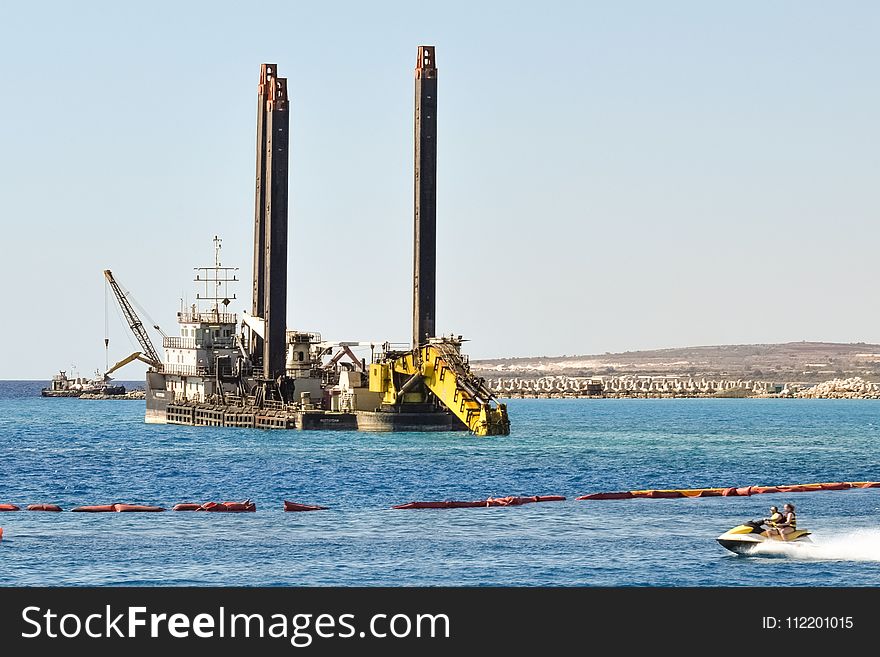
(216, 279)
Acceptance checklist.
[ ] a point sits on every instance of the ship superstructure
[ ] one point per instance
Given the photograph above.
(205, 354)
(253, 371)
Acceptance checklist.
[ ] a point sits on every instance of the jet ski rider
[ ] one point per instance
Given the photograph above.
(774, 519)
(789, 522)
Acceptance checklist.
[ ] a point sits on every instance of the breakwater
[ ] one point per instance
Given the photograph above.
(561, 386)
(131, 394)
(852, 388)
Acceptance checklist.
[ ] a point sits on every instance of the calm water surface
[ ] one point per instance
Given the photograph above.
(73, 452)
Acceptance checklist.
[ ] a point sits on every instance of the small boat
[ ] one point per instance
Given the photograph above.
(743, 538)
(63, 386)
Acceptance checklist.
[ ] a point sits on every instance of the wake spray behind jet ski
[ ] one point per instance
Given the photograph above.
(743, 538)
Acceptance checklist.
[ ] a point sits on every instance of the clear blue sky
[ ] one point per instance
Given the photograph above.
(612, 175)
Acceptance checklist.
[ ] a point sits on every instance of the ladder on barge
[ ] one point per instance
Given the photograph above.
(440, 367)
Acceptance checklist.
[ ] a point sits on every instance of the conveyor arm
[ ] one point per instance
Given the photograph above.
(446, 374)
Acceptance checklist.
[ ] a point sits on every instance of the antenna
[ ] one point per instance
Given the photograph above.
(217, 277)
(106, 327)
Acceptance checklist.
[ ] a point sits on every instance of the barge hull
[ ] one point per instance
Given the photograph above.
(160, 411)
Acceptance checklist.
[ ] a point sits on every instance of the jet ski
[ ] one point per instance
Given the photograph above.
(743, 538)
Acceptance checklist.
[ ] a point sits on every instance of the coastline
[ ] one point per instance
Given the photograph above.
(663, 388)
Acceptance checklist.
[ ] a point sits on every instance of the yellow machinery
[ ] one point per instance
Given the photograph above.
(440, 367)
(125, 361)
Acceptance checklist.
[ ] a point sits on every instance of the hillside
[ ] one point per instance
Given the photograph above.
(792, 362)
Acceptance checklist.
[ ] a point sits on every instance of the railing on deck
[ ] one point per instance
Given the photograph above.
(179, 343)
(207, 318)
(185, 370)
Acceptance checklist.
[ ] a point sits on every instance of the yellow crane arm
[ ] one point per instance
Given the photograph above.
(125, 361)
(445, 374)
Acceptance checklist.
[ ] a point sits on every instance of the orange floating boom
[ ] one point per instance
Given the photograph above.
(123, 508)
(742, 491)
(295, 506)
(488, 502)
(228, 507)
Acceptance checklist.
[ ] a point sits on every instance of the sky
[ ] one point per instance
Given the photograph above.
(612, 176)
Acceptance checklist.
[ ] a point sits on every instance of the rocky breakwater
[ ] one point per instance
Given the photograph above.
(852, 388)
(629, 386)
(131, 394)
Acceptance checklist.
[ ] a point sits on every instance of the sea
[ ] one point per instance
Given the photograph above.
(75, 452)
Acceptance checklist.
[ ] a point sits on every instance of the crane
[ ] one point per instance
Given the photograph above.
(125, 361)
(149, 353)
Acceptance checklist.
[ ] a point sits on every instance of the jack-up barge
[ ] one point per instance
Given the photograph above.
(254, 372)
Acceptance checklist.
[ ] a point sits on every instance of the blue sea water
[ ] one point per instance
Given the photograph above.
(74, 452)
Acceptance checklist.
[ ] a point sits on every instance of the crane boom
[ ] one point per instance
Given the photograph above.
(125, 361)
(134, 322)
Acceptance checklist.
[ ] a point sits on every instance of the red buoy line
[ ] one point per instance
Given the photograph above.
(294, 506)
(741, 491)
(229, 507)
(488, 502)
(511, 500)
(248, 505)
